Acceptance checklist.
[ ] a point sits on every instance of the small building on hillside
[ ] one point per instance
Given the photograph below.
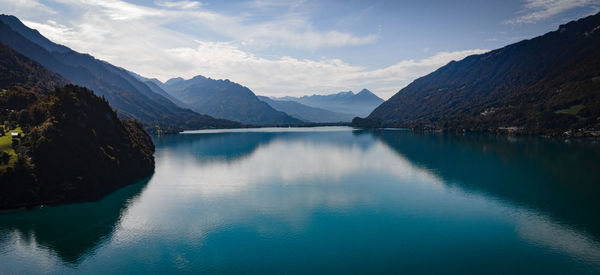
(15, 134)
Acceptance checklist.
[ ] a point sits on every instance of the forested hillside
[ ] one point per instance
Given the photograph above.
(71, 146)
(547, 85)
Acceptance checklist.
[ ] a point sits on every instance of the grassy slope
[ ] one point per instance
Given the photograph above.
(6, 146)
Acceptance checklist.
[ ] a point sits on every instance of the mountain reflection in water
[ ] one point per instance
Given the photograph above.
(322, 199)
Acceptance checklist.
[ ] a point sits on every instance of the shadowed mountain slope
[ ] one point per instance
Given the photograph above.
(226, 99)
(306, 113)
(73, 147)
(131, 97)
(546, 85)
(360, 104)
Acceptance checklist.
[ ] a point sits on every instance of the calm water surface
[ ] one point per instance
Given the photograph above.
(330, 200)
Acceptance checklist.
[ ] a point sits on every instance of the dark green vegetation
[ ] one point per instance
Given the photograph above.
(74, 147)
(8, 156)
(306, 113)
(360, 104)
(225, 99)
(131, 97)
(547, 85)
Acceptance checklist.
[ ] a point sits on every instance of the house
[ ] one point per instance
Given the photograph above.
(15, 134)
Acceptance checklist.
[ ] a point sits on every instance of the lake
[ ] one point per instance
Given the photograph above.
(330, 200)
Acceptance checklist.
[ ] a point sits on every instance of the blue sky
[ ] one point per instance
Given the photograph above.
(292, 47)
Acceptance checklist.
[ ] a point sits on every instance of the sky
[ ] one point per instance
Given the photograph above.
(293, 47)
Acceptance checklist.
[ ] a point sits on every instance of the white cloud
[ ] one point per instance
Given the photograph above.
(158, 53)
(179, 4)
(113, 9)
(136, 37)
(30, 7)
(292, 76)
(537, 10)
(277, 3)
(288, 29)
(51, 28)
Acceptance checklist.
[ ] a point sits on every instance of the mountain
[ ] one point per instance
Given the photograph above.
(360, 104)
(32, 35)
(131, 97)
(547, 85)
(72, 146)
(17, 69)
(306, 113)
(226, 99)
(158, 87)
(174, 81)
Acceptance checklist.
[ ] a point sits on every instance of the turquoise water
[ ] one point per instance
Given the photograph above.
(330, 200)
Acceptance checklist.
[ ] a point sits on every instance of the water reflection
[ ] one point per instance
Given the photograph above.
(310, 167)
(211, 164)
(306, 200)
(208, 146)
(553, 177)
(70, 231)
(515, 170)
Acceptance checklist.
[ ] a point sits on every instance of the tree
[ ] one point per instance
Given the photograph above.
(4, 157)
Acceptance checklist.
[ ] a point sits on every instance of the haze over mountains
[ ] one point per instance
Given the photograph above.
(546, 85)
(360, 104)
(225, 99)
(131, 97)
(178, 104)
(306, 113)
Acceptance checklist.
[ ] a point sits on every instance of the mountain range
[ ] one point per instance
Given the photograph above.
(546, 85)
(360, 104)
(224, 99)
(179, 104)
(131, 97)
(71, 146)
(306, 113)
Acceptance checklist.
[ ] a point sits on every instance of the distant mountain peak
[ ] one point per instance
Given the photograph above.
(365, 91)
(128, 93)
(365, 94)
(174, 80)
(343, 102)
(198, 77)
(226, 99)
(305, 112)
